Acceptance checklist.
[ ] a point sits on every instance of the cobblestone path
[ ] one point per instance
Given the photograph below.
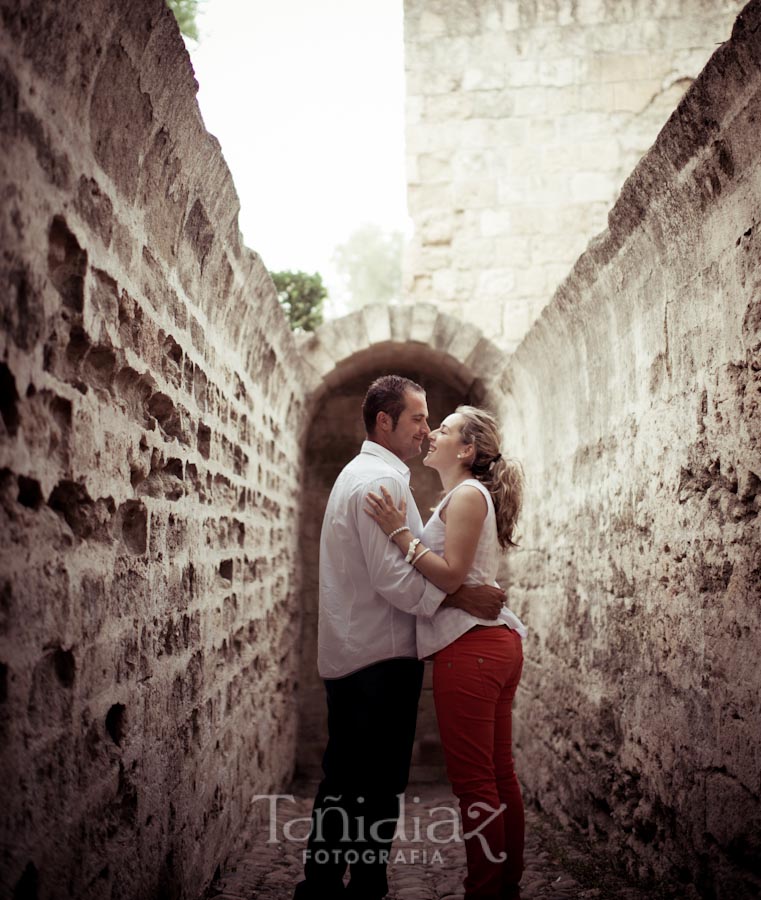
(558, 865)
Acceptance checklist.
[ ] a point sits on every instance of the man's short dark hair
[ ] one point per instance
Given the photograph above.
(386, 394)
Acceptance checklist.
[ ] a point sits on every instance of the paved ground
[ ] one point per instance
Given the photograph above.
(558, 865)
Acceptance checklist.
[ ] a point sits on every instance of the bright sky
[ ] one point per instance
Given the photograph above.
(306, 98)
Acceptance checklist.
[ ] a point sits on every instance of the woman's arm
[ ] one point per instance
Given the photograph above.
(466, 512)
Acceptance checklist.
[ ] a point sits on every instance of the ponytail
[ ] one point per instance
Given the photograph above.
(503, 478)
(505, 483)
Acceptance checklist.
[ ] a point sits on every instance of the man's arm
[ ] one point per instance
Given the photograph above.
(484, 601)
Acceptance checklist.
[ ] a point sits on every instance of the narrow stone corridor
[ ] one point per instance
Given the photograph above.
(167, 443)
(427, 865)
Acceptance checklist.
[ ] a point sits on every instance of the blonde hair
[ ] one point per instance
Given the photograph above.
(503, 477)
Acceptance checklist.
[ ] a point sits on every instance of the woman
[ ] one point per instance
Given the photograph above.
(477, 663)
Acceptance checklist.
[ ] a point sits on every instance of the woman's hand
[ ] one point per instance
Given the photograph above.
(384, 512)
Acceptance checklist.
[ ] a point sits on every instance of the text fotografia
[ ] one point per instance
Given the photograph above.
(386, 857)
(435, 828)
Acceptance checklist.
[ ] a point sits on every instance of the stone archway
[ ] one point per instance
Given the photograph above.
(456, 364)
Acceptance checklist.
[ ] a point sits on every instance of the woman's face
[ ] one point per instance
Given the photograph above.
(445, 444)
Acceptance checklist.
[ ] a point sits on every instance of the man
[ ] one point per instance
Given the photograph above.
(367, 654)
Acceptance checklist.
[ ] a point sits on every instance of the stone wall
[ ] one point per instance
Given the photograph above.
(635, 405)
(523, 119)
(150, 401)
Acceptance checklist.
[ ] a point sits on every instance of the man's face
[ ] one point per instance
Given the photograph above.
(406, 440)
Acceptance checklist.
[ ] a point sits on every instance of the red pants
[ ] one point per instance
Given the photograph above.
(474, 682)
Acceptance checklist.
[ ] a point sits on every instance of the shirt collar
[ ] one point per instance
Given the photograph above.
(391, 458)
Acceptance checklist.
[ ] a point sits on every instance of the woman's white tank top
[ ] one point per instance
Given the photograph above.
(448, 623)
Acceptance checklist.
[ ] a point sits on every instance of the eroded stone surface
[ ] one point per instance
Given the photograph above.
(150, 400)
(634, 405)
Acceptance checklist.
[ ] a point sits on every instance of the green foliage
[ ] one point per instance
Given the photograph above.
(370, 263)
(301, 297)
(185, 11)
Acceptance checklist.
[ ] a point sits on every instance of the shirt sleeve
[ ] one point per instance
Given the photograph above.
(398, 582)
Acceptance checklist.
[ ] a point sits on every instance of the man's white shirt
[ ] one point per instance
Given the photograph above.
(369, 596)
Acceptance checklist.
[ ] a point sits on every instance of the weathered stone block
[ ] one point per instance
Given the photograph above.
(433, 168)
(475, 194)
(120, 119)
(437, 228)
(634, 96)
(96, 208)
(511, 17)
(493, 223)
(377, 323)
(444, 282)
(484, 75)
(446, 107)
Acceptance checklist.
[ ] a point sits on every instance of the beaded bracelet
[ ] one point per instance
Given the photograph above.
(397, 531)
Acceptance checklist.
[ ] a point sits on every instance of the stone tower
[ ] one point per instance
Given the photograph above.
(524, 118)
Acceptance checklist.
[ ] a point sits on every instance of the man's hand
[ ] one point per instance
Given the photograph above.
(483, 601)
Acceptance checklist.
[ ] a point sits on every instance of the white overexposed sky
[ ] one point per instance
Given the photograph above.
(306, 98)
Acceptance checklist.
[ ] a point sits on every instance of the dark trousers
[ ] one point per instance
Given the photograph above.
(371, 730)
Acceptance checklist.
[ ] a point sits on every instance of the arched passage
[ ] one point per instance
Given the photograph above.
(456, 364)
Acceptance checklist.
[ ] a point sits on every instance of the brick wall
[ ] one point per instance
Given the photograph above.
(524, 117)
(634, 403)
(150, 400)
